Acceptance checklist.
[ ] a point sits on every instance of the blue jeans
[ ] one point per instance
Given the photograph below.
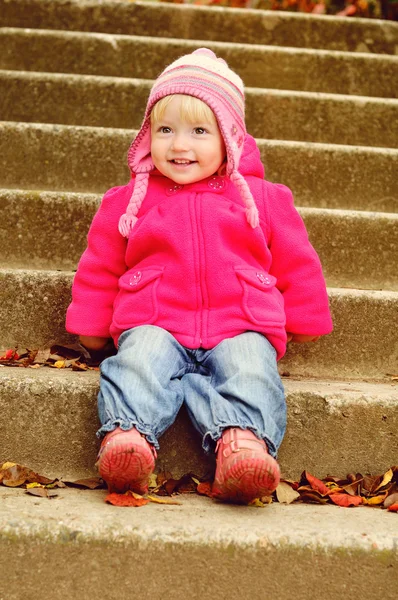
(234, 384)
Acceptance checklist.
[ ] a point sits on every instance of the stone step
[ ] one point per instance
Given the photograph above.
(47, 230)
(93, 159)
(145, 57)
(198, 22)
(76, 543)
(120, 103)
(49, 421)
(363, 343)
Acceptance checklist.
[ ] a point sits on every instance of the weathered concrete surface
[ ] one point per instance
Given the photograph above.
(120, 103)
(145, 57)
(357, 249)
(363, 342)
(77, 545)
(49, 420)
(90, 159)
(197, 22)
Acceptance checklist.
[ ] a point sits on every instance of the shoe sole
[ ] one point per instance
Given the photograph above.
(126, 466)
(247, 479)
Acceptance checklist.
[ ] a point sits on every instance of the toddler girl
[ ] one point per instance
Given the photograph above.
(200, 271)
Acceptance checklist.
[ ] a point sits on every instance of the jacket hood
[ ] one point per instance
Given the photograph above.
(250, 162)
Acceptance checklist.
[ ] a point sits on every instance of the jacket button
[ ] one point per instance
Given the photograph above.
(173, 189)
(263, 278)
(216, 183)
(135, 278)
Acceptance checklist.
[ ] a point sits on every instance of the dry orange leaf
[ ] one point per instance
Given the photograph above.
(127, 499)
(204, 489)
(346, 500)
(316, 484)
(393, 507)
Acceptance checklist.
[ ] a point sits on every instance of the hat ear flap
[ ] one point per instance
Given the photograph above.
(129, 219)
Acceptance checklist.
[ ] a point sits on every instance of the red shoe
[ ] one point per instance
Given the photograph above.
(126, 460)
(245, 470)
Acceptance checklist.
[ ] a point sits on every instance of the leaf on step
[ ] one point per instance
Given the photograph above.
(9, 355)
(257, 503)
(392, 499)
(370, 484)
(204, 489)
(393, 507)
(91, 483)
(59, 364)
(346, 500)
(375, 500)
(266, 499)
(42, 356)
(312, 497)
(285, 493)
(14, 476)
(127, 499)
(158, 500)
(315, 483)
(41, 492)
(387, 477)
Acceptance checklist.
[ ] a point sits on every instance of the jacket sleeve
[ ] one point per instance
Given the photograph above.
(296, 266)
(95, 285)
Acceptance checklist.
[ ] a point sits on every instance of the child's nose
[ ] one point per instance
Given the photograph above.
(180, 142)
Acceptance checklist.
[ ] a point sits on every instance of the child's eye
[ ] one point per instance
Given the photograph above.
(200, 130)
(164, 129)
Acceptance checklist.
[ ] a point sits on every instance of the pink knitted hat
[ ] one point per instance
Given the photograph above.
(204, 76)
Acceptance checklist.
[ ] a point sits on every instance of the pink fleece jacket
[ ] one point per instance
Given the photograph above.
(194, 266)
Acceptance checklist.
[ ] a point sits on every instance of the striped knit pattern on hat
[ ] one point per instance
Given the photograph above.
(208, 78)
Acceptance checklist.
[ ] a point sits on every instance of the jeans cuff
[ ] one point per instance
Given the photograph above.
(126, 426)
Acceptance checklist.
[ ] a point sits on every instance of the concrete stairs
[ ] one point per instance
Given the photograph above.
(322, 101)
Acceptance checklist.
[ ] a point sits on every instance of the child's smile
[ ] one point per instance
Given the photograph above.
(183, 151)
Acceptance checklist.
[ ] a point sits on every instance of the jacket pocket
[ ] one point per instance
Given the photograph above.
(261, 300)
(136, 303)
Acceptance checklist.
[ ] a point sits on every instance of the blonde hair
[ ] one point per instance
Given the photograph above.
(192, 110)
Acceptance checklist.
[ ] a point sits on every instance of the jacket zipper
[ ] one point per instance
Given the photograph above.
(197, 206)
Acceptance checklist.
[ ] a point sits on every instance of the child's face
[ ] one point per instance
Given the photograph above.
(186, 152)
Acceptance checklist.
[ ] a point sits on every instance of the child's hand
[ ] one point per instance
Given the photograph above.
(92, 342)
(302, 339)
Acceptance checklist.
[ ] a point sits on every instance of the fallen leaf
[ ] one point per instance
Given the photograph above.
(127, 499)
(59, 364)
(375, 500)
(286, 494)
(346, 500)
(313, 496)
(266, 499)
(42, 356)
(371, 483)
(316, 484)
(14, 476)
(387, 477)
(158, 500)
(7, 465)
(257, 503)
(91, 483)
(204, 489)
(390, 500)
(393, 507)
(41, 492)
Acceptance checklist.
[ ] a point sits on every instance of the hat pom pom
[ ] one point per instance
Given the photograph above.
(252, 216)
(126, 224)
